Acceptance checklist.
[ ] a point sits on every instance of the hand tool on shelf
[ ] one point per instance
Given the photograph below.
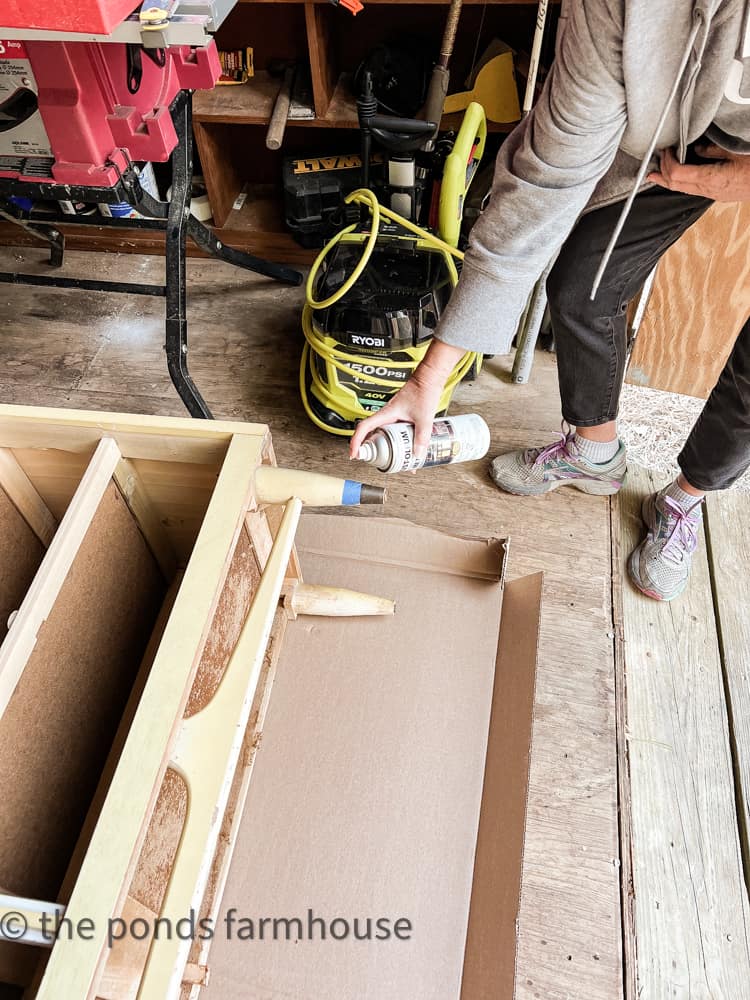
(280, 113)
(353, 6)
(438, 88)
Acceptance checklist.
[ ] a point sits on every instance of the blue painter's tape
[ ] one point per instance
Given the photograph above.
(351, 494)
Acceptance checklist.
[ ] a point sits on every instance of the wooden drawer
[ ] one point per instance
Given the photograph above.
(152, 567)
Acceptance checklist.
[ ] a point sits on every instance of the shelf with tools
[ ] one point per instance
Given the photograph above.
(253, 102)
(250, 103)
(325, 45)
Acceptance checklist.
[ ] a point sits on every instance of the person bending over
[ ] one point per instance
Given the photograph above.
(643, 122)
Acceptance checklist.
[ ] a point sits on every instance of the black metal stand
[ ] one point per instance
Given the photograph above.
(173, 217)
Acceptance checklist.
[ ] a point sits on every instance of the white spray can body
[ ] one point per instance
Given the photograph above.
(454, 439)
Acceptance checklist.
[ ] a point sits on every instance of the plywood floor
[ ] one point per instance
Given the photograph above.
(84, 350)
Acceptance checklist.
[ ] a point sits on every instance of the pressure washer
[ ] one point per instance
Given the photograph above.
(377, 290)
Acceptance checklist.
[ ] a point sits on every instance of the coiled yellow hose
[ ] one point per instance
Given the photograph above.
(316, 344)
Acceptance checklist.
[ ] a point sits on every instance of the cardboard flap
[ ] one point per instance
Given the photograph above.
(489, 961)
(409, 545)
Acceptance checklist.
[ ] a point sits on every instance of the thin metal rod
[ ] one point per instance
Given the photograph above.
(51, 234)
(645, 162)
(536, 48)
(529, 332)
(95, 221)
(640, 309)
(204, 238)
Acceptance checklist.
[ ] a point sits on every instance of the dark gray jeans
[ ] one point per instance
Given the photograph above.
(591, 336)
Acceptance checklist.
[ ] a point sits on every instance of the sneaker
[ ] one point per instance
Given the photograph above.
(539, 470)
(660, 566)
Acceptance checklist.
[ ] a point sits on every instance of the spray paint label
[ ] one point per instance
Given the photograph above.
(453, 439)
(444, 446)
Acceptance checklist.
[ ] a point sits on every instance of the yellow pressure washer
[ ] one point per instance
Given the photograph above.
(377, 290)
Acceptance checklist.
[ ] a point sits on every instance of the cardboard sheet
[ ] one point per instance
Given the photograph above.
(366, 794)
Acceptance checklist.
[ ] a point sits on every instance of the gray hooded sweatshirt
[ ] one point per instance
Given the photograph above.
(629, 77)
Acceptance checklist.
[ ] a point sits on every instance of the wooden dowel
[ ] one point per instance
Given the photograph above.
(336, 602)
(274, 485)
(280, 114)
(21, 920)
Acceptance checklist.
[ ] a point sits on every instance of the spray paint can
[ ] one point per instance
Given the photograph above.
(453, 439)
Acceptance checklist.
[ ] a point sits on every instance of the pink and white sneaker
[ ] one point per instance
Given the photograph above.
(660, 566)
(538, 470)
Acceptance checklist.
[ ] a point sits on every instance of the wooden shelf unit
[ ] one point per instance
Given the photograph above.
(159, 560)
(230, 122)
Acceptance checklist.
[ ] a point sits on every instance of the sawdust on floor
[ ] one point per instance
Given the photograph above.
(654, 425)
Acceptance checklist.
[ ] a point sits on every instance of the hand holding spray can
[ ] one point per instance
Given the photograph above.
(453, 439)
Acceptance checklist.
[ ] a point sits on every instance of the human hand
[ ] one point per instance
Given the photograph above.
(416, 402)
(726, 180)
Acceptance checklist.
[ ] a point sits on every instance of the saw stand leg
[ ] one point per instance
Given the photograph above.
(51, 234)
(202, 236)
(180, 224)
(176, 265)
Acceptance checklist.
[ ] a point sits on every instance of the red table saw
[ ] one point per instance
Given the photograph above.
(86, 91)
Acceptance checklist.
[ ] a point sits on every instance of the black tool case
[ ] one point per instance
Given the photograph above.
(314, 192)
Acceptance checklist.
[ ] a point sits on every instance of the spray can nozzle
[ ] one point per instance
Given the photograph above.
(367, 452)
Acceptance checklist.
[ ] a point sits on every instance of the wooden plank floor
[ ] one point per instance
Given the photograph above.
(728, 537)
(105, 352)
(687, 725)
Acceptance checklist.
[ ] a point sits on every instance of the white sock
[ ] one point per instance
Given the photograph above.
(597, 452)
(685, 500)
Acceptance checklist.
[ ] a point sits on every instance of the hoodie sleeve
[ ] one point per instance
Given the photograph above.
(545, 173)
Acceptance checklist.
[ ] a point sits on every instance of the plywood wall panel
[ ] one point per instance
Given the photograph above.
(700, 300)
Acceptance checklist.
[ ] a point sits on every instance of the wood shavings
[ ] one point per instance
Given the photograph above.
(655, 424)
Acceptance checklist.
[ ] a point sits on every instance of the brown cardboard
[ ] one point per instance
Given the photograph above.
(489, 959)
(366, 795)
